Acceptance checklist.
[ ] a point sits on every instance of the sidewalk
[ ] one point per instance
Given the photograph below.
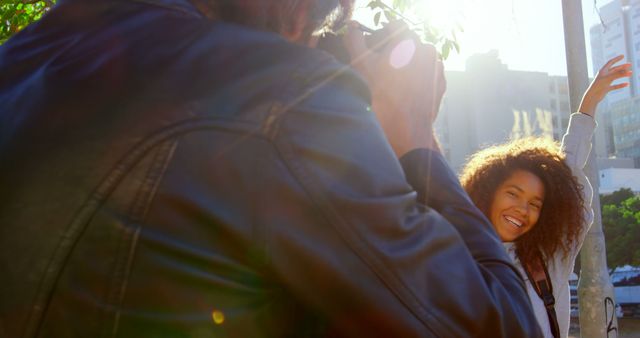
(627, 328)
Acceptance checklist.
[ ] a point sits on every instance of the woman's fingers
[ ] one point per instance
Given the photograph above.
(623, 65)
(618, 86)
(623, 74)
(602, 84)
(612, 61)
(610, 73)
(623, 68)
(618, 74)
(609, 69)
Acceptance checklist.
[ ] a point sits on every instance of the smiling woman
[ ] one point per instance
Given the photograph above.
(516, 205)
(528, 183)
(538, 198)
(530, 194)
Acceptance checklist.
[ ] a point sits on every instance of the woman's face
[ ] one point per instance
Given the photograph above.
(516, 205)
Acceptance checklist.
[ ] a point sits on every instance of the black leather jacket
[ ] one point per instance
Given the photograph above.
(162, 175)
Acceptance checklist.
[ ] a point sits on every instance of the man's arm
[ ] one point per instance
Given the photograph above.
(374, 261)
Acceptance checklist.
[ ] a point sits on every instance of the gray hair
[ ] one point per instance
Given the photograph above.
(276, 15)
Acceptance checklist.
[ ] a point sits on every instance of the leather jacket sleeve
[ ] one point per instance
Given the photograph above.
(377, 262)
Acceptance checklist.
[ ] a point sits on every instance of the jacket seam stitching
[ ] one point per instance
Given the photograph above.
(77, 224)
(137, 211)
(357, 245)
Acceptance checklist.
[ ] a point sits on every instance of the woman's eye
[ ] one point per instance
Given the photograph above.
(511, 193)
(535, 205)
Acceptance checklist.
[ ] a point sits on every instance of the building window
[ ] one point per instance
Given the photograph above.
(552, 103)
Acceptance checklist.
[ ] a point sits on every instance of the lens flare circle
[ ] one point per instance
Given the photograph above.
(218, 317)
(402, 53)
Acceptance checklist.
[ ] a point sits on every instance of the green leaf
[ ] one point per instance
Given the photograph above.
(446, 48)
(395, 9)
(621, 226)
(390, 16)
(456, 45)
(17, 14)
(376, 18)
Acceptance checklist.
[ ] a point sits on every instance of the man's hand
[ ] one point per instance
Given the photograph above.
(601, 85)
(406, 78)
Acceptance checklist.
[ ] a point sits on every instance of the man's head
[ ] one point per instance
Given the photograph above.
(296, 20)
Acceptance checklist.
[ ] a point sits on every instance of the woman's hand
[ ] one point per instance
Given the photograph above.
(406, 78)
(601, 85)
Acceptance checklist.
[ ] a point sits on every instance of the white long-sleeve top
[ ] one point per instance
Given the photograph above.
(576, 143)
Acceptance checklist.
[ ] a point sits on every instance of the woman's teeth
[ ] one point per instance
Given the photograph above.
(514, 221)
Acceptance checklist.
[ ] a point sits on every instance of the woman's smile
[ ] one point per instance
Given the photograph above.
(516, 205)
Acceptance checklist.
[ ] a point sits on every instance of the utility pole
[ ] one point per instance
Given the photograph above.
(595, 291)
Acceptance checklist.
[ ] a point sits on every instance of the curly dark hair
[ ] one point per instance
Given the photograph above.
(561, 217)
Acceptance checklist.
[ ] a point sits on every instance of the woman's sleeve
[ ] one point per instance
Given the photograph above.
(576, 143)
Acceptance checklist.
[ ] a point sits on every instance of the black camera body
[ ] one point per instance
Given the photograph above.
(334, 44)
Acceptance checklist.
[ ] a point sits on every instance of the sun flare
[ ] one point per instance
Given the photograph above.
(445, 15)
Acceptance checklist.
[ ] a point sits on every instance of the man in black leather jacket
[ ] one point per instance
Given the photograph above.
(190, 169)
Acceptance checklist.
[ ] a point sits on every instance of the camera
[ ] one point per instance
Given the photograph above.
(334, 43)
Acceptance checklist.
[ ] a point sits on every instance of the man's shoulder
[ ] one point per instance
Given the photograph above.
(278, 50)
(312, 76)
